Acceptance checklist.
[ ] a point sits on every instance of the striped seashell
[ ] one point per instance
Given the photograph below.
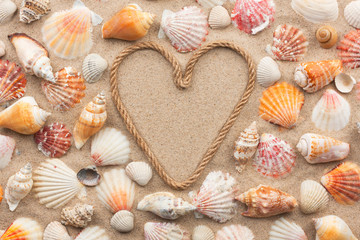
(332, 227)
(93, 67)
(349, 49)
(7, 10)
(317, 11)
(219, 17)
(7, 146)
(267, 72)
(326, 36)
(23, 228)
(165, 231)
(285, 230)
(235, 232)
(139, 172)
(32, 10)
(351, 14)
(344, 82)
(123, 221)
(92, 233)
(203, 232)
(78, 216)
(313, 197)
(211, 3)
(56, 231)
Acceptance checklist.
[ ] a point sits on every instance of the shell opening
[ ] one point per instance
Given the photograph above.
(302, 147)
(301, 79)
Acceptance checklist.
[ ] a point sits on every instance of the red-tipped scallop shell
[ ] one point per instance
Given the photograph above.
(23, 228)
(234, 232)
(12, 81)
(7, 146)
(349, 49)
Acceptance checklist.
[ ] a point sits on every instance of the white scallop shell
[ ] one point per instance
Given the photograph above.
(7, 9)
(235, 232)
(123, 221)
(345, 82)
(351, 14)
(317, 11)
(219, 17)
(56, 231)
(93, 67)
(139, 172)
(92, 233)
(284, 230)
(165, 231)
(203, 232)
(211, 3)
(2, 48)
(7, 146)
(313, 197)
(267, 72)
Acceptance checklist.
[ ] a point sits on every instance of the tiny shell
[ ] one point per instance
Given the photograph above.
(351, 14)
(211, 3)
(23, 228)
(7, 10)
(7, 146)
(313, 197)
(139, 172)
(89, 176)
(78, 216)
(92, 233)
(344, 82)
(2, 49)
(317, 11)
(219, 17)
(165, 231)
(93, 67)
(56, 231)
(349, 49)
(203, 232)
(326, 36)
(123, 221)
(267, 72)
(235, 232)
(32, 10)
(284, 230)
(332, 228)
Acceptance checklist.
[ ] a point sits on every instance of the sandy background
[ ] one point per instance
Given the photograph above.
(179, 125)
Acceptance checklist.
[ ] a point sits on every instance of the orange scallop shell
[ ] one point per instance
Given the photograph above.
(1, 193)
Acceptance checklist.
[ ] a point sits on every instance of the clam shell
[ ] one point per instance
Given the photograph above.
(77, 216)
(282, 229)
(332, 227)
(165, 231)
(89, 176)
(32, 10)
(2, 49)
(92, 233)
(7, 146)
(93, 67)
(313, 197)
(326, 36)
(211, 3)
(203, 232)
(267, 72)
(123, 221)
(317, 11)
(344, 82)
(24, 228)
(349, 49)
(7, 10)
(139, 172)
(219, 17)
(351, 14)
(235, 232)
(56, 231)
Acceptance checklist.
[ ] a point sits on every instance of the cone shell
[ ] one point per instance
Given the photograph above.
(344, 82)
(93, 67)
(332, 227)
(12, 81)
(235, 232)
(24, 116)
(266, 201)
(343, 183)
(23, 228)
(56, 231)
(210, 3)
(186, 28)
(313, 196)
(2, 49)
(317, 11)
(139, 172)
(281, 104)
(78, 216)
(332, 112)
(267, 72)
(349, 49)
(67, 91)
(7, 146)
(32, 10)
(219, 17)
(7, 10)
(282, 229)
(89, 176)
(351, 14)
(123, 221)
(116, 191)
(203, 232)
(93, 233)
(91, 120)
(326, 36)
(289, 44)
(165, 231)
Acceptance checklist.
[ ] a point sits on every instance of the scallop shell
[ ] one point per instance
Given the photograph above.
(2, 49)
(313, 197)
(326, 36)
(32, 10)
(123, 221)
(203, 232)
(12, 81)
(109, 147)
(53, 140)
(139, 172)
(55, 184)
(165, 205)
(7, 10)
(130, 24)
(235, 232)
(216, 197)
(93, 67)
(23, 228)
(253, 16)
(56, 231)
(91, 120)
(289, 44)
(7, 146)
(343, 183)
(89, 176)
(116, 191)
(24, 116)
(68, 33)
(219, 17)
(316, 148)
(266, 201)
(332, 112)
(78, 216)
(267, 72)
(349, 49)
(351, 14)
(281, 104)
(67, 91)
(165, 231)
(92, 233)
(282, 230)
(317, 11)
(344, 82)
(211, 3)
(186, 29)
(313, 76)
(332, 227)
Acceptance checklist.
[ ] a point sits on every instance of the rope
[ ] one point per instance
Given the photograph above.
(181, 83)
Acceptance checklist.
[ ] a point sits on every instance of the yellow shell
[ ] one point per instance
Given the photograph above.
(332, 228)
(326, 36)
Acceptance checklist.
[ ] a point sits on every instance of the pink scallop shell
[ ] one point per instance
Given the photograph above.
(349, 49)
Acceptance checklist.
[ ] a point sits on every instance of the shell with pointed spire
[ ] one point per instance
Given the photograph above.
(7, 146)
(123, 221)
(23, 228)
(343, 183)
(78, 216)
(267, 72)
(235, 232)
(93, 67)
(332, 227)
(56, 231)
(91, 120)
(93, 233)
(211, 3)
(24, 116)
(165, 231)
(313, 197)
(139, 172)
(317, 11)
(351, 14)
(283, 229)
(203, 232)
(349, 49)
(7, 10)
(219, 17)
(32, 10)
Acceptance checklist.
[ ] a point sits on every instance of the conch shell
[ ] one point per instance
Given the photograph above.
(77, 216)
(33, 56)
(332, 227)
(326, 36)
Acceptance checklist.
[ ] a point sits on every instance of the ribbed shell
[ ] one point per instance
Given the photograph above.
(7, 10)
(93, 233)
(56, 231)
(7, 146)
(211, 3)
(313, 197)
(351, 14)
(267, 72)
(123, 221)
(349, 49)
(139, 172)
(219, 17)
(326, 36)
(317, 11)
(93, 67)
(78, 216)
(32, 10)
(165, 231)
(234, 232)
(23, 228)
(332, 227)
(284, 230)
(203, 232)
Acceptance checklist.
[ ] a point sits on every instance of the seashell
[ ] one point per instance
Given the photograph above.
(7, 10)
(23, 228)
(68, 33)
(1, 197)
(216, 197)
(109, 147)
(281, 104)
(89, 176)
(282, 230)
(32, 55)
(139, 172)
(203, 232)
(235, 232)
(165, 231)
(186, 29)
(91, 120)
(32, 10)
(165, 205)
(344, 82)
(343, 183)
(326, 36)
(313, 197)
(78, 216)
(219, 17)
(2, 48)
(12, 81)
(55, 184)
(332, 227)
(332, 112)
(116, 191)
(93, 67)
(349, 49)
(351, 14)
(289, 44)
(67, 91)
(266, 201)
(24, 116)
(317, 11)
(267, 72)
(211, 3)
(316, 148)
(56, 231)
(253, 16)
(313, 76)
(130, 24)
(123, 221)
(92, 233)
(53, 140)
(245, 146)
(7, 146)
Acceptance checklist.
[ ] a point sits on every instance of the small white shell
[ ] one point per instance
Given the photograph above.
(56, 231)
(267, 72)
(284, 230)
(219, 17)
(203, 232)
(345, 82)
(139, 172)
(2, 48)
(93, 233)
(123, 221)
(93, 67)
(351, 14)
(7, 9)
(313, 197)
(211, 3)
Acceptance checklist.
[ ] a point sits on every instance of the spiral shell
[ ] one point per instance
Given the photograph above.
(123, 221)
(32, 10)
(77, 216)
(326, 36)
